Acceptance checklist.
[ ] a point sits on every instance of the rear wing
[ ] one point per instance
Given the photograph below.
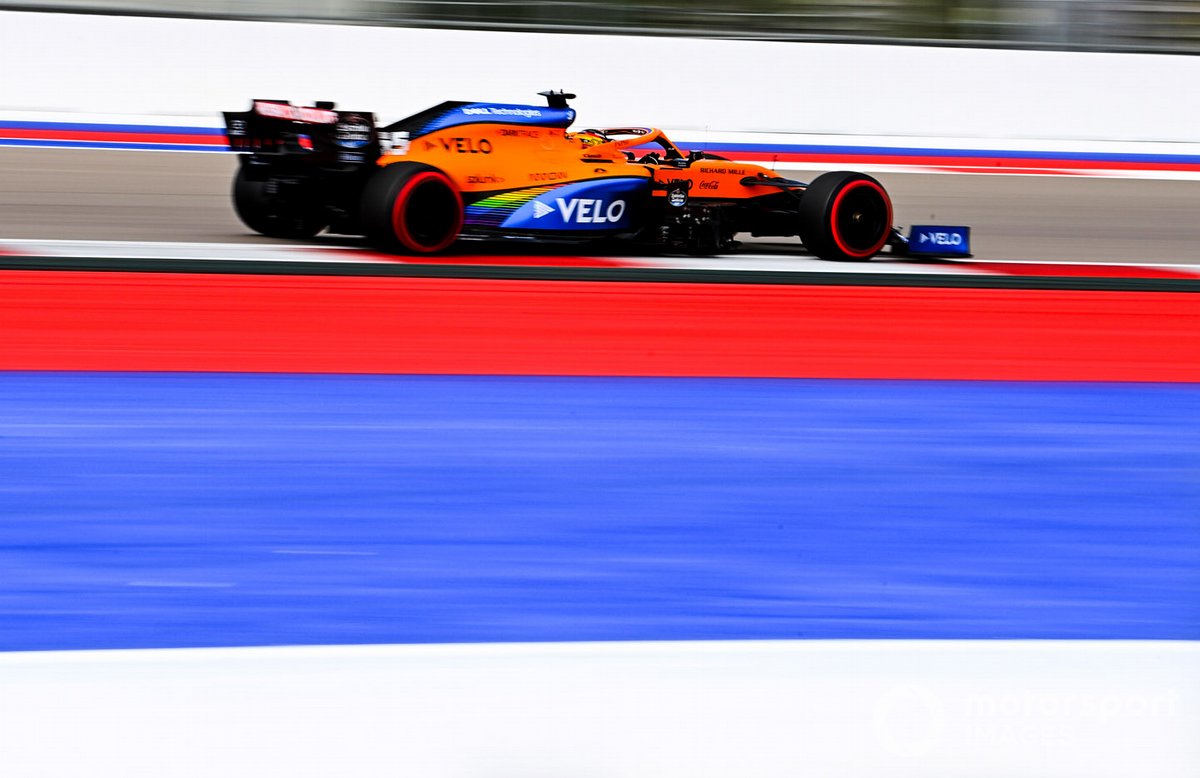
(319, 135)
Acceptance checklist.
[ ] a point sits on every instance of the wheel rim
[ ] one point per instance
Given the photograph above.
(427, 213)
(860, 218)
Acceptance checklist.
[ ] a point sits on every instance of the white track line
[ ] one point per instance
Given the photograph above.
(302, 253)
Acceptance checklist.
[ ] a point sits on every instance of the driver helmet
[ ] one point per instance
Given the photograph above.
(590, 138)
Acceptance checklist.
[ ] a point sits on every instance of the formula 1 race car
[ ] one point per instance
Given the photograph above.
(499, 171)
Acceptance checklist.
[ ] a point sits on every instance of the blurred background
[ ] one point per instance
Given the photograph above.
(1097, 25)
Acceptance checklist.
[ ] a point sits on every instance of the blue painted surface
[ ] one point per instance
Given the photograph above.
(124, 137)
(200, 509)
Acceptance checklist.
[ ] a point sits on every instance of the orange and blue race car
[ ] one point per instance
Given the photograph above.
(492, 171)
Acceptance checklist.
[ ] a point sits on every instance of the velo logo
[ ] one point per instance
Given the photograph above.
(582, 210)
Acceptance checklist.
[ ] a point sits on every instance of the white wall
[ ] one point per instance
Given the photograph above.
(78, 64)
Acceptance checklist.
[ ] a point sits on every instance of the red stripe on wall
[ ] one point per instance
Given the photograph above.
(158, 322)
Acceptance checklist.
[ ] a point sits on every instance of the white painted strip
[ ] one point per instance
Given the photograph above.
(100, 146)
(185, 122)
(803, 263)
(110, 249)
(745, 260)
(686, 710)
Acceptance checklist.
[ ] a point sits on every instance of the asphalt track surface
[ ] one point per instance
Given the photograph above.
(80, 194)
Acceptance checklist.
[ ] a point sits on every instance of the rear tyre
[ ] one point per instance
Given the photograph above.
(845, 216)
(272, 214)
(410, 208)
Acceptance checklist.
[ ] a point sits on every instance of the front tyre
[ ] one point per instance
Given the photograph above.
(845, 216)
(272, 214)
(411, 208)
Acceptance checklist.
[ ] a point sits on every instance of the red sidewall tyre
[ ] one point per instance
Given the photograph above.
(411, 208)
(836, 214)
(845, 216)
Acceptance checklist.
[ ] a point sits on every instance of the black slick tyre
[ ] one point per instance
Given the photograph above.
(845, 216)
(273, 215)
(411, 208)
